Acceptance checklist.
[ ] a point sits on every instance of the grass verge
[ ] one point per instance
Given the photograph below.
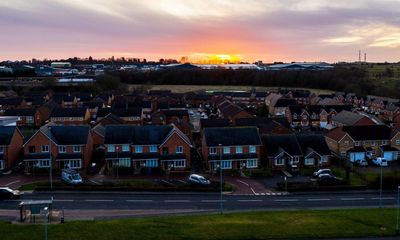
(252, 225)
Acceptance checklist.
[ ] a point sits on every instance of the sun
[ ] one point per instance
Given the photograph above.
(216, 58)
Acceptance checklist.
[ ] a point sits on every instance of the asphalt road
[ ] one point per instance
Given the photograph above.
(203, 201)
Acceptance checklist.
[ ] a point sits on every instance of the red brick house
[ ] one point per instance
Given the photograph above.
(11, 141)
(63, 146)
(238, 147)
(29, 117)
(70, 116)
(144, 147)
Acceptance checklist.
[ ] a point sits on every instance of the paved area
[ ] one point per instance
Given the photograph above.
(15, 180)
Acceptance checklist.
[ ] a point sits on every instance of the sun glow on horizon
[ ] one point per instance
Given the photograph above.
(215, 58)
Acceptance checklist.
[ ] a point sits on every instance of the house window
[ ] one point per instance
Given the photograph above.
(226, 164)
(357, 143)
(398, 142)
(61, 149)
(2, 164)
(227, 150)
(153, 148)
(252, 149)
(252, 163)
(212, 150)
(179, 149)
(296, 159)
(152, 163)
(31, 149)
(309, 161)
(1, 150)
(125, 148)
(279, 161)
(346, 143)
(45, 148)
(385, 142)
(75, 163)
(373, 143)
(29, 119)
(179, 163)
(138, 149)
(124, 162)
(239, 149)
(77, 148)
(43, 163)
(111, 148)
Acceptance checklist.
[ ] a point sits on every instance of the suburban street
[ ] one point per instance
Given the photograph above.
(202, 201)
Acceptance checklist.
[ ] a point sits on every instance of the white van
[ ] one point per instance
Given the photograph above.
(71, 176)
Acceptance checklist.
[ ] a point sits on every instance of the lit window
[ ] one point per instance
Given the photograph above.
(227, 150)
(111, 148)
(125, 148)
(239, 149)
(252, 149)
(153, 148)
(212, 150)
(138, 149)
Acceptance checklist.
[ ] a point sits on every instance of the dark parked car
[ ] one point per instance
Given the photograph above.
(8, 193)
(327, 179)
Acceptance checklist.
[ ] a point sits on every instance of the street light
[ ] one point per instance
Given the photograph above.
(398, 210)
(51, 161)
(220, 178)
(117, 149)
(380, 191)
(46, 214)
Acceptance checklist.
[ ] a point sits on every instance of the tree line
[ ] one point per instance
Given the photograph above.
(347, 79)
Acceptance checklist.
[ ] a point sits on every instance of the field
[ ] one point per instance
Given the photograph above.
(251, 225)
(188, 88)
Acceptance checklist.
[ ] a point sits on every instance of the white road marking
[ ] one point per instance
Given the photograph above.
(384, 198)
(139, 200)
(99, 200)
(245, 183)
(318, 199)
(176, 201)
(10, 183)
(249, 200)
(213, 200)
(286, 200)
(254, 191)
(63, 200)
(351, 199)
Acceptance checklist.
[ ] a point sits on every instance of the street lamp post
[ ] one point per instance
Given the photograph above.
(46, 214)
(220, 178)
(398, 210)
(117, 149)
(51, 162)
(380, 191)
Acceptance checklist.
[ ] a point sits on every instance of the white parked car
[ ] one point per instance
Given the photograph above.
(363, 162)
(380, 162)
(198, 179)
(322, 171)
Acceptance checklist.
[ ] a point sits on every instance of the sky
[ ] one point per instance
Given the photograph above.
(249, 30)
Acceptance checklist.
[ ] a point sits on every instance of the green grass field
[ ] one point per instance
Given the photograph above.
(252, 225)
(188, 88)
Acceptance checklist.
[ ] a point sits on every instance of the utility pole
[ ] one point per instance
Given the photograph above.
(51, 161)
(220, 178)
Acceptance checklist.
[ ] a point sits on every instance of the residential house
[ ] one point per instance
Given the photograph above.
(265, 125)
(315, 150)
(59, 145)
(232, 147)
(361, 142)
(347, 118)
(29, 117)
(70, 116)
(11, 140)
(146, 147)
(282, 151)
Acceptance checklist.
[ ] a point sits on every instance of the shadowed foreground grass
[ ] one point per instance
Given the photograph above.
(252, 225)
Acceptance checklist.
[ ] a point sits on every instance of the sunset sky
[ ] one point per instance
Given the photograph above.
(268, 30)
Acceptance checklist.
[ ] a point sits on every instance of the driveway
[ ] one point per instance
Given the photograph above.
(249, 186)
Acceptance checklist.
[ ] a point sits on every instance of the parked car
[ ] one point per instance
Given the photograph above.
(327, 179)
(380, 162)
(322, 171)
(8, 193)
(71, 176)
(197, 179)
(362, 163)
